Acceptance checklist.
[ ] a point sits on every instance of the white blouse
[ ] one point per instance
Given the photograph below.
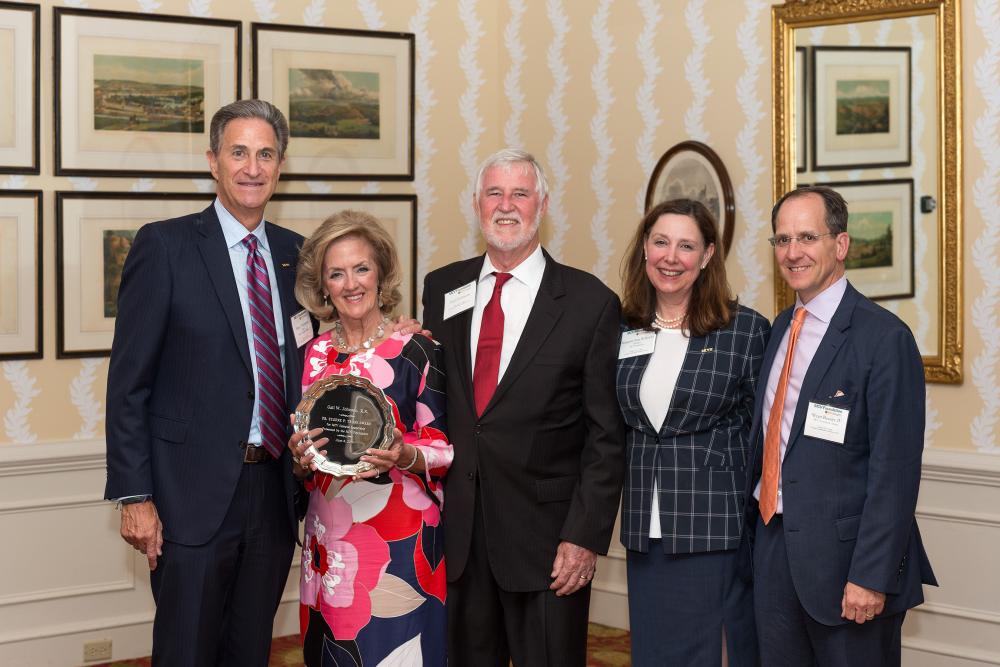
(656, 392)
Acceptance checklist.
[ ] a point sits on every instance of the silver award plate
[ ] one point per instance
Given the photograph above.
(353, 413)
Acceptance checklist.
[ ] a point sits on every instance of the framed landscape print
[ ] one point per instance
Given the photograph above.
(20, 274)
(303, 213)
(861, 107)
(880, 223)
(94, 232)
(348, 96)
(19, 55)
(135, 93)
(692, 170)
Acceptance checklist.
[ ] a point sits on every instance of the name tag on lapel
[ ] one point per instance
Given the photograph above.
(636, 343)
(826, 422)
(302, 328)
(459, 300)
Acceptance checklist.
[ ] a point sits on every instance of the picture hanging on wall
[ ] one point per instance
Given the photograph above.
(19, 44)
(94, 232)
(880, 223)
(348, 96)
(861, 107)
(303, 213)
(135, 93)
(20, 274)
(692, 170)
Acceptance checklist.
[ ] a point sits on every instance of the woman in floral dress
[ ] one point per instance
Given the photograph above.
(373, 574)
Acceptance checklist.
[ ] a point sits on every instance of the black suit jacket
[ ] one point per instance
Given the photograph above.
(547, 450)
(848, 509)
(180, 383)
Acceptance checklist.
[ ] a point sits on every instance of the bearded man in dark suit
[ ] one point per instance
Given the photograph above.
(530, 349)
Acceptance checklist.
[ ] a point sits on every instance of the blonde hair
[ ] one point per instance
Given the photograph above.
(344, 224)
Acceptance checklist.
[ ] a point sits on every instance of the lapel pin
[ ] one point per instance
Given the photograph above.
(285, 265)
(707, 349)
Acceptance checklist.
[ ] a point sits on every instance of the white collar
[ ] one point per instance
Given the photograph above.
(528, 272)
(234, 231)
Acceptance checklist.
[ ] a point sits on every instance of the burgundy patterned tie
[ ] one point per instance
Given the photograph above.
(487, 370)
(271, 392)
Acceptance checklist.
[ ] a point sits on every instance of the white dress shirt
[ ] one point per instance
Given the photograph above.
(516, 298)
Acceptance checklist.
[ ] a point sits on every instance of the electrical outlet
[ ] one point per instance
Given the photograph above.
(99, 650)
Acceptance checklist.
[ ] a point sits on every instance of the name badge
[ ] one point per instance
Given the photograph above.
(302, 328)
(637, 343)
(826, 422)
(459, 300)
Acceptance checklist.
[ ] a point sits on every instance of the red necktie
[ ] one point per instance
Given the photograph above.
(271, 389)
(484, 377)
(772, 440)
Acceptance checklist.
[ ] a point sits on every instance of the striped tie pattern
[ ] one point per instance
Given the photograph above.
(271, 392)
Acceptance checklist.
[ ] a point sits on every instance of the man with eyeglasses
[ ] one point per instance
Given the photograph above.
(835, 465)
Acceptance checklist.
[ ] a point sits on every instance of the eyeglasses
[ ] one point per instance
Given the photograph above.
(802, 239)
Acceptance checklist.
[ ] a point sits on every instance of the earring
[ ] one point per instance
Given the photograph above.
(326, 299)
(380, 303)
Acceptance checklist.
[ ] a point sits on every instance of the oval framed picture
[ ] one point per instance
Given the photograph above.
(692, 170)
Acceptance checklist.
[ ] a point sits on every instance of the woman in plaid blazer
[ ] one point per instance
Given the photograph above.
(687, 373)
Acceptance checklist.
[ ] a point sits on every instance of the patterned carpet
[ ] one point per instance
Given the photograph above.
(606, 647)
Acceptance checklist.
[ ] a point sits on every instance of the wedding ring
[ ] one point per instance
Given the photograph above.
(583, 577)
(868, 614)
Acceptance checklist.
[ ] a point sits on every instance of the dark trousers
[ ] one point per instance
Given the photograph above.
(215, 603)
(789, 637)
(490, 626)
(679, 605)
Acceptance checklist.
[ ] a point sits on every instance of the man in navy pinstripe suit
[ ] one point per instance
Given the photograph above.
(837, 556)
(207, 503)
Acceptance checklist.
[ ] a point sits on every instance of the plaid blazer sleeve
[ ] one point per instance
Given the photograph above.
(699, 453)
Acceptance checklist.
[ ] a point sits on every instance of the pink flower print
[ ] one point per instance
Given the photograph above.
(415, 497)
(341, 563)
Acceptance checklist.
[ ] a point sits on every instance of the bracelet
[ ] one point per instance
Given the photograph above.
(416, 454)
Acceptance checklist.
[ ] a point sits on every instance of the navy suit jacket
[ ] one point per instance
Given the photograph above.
(848, 509)
(698, 455)
(547, 450)
(180, 383)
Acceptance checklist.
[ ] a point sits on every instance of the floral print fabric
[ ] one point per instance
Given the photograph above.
(373, 574)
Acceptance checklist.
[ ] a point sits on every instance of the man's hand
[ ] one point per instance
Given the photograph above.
(142, 529)
(861, 604)
(572, 569)
(407, 325)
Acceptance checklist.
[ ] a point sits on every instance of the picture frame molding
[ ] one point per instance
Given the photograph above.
(906, 134)
(34, 168)
(38, 338)
(411, 199)
(727, 221)
(58, 143)
(841, 186)
(62, 349)
(256, 56)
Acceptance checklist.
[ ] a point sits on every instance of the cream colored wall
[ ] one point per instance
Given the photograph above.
(601, 89)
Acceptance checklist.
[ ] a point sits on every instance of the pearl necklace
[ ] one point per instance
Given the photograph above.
(338, 330)
(661, 323)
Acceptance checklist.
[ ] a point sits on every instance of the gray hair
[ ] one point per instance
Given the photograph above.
(833, 204)
(260, 109)
(507, 157)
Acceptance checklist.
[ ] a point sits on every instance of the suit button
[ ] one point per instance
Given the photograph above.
(471, 476)
(478, 429)
(250, 395)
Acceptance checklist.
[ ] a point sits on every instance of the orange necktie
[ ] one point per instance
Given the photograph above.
(772, 440)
